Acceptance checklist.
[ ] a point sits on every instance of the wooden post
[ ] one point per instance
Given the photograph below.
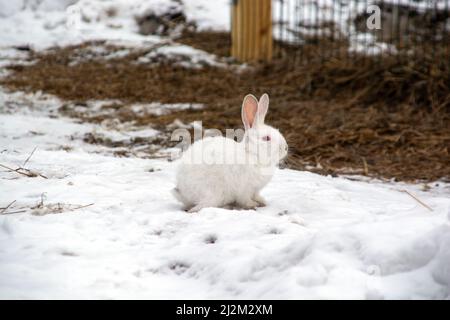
(251, 30)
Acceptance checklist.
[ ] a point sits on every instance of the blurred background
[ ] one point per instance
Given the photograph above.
(357, 87)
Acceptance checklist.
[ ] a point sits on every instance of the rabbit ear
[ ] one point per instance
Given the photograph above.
(263, 106)
(249, 109)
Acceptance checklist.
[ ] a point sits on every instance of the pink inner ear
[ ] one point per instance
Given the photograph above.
(250, 108)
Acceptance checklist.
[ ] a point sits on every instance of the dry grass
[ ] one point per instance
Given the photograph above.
(218, 43)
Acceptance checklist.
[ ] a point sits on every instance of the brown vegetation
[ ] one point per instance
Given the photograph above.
(384, 118)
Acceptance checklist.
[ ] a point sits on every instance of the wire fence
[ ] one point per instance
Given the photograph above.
(325, 29)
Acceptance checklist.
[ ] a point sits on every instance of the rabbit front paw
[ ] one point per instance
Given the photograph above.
(260, 200)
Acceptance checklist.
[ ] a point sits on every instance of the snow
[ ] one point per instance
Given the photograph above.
(182, 55)
(53, 22)
(159, 109)
(107, 227)
(43, 24)
(209, 15)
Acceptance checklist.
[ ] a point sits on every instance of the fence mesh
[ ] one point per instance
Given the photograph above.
(325, 29)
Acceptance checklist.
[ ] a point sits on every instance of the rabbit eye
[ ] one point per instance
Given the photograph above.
(266, 138)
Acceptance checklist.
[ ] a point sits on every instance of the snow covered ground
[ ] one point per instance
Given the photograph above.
(319, 237)
(44, 23)
(101, 226)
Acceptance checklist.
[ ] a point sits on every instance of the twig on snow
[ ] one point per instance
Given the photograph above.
(6, 208)
(11, 212)
(417, 199)
(23, 171)
(29, 157)
(59, 209)
(16, 170)
(81, 207)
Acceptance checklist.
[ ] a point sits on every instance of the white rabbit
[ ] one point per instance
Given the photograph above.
(217, 171)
